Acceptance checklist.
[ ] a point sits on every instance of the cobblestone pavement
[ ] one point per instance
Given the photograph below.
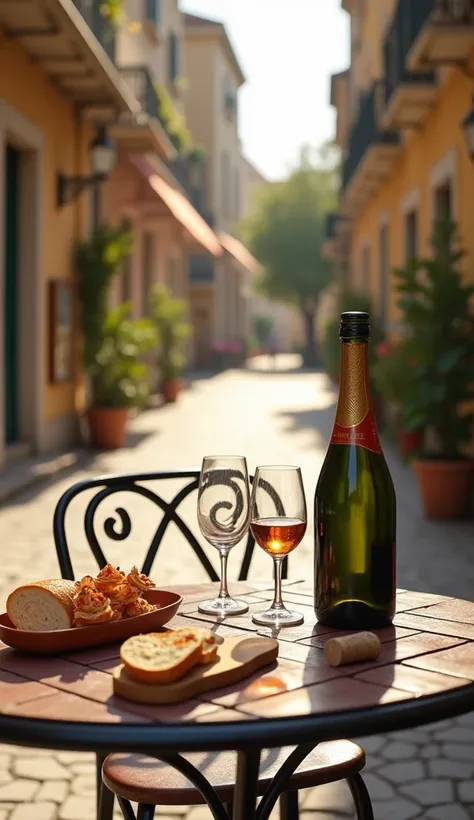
(272, 417)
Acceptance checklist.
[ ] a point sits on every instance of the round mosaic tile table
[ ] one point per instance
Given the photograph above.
(424, 673)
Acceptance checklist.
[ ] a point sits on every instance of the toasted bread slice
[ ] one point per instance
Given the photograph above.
(209, 645)
(162, 657)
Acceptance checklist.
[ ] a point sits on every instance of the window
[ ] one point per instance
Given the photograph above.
(411, 235)
(173, 61)
(225, 183)
(148, 264)
(152, 11)
(383, 272)
(443, 201)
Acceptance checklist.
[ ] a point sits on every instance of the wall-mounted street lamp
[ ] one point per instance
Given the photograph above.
(467, 126)
(102, 157)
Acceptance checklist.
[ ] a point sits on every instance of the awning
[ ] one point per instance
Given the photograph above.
(238, 250)
(56, 35)
(180, 207)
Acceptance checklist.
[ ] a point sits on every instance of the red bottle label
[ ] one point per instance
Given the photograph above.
(363, 434)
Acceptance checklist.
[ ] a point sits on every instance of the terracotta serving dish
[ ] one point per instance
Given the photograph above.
(55, 641)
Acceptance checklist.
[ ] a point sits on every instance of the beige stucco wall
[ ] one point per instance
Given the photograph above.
(199, 103)
(208, 71)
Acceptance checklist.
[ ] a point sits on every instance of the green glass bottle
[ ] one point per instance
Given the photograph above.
(355, 505)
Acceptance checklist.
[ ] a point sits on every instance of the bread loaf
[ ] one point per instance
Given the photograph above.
(162, 657)
(42, 605)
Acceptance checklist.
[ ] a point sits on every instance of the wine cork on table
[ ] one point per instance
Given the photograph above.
(361, 646)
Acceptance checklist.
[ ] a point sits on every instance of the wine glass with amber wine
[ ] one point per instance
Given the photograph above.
(278, 523)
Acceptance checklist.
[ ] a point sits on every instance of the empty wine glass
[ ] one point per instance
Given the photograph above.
(278, 523)
(223, 517)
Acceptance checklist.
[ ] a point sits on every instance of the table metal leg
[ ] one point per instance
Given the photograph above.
(246, 782)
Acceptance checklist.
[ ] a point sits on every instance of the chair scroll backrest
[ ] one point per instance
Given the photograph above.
(119, 528)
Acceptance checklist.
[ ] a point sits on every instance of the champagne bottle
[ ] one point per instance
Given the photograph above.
(355, 505)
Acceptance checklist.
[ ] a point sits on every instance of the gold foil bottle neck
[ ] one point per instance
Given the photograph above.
(353, 404)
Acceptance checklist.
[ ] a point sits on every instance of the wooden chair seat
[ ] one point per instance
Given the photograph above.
(145, 780)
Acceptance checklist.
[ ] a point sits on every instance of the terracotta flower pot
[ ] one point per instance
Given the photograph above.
(107, 427)
(170, 390)
(446, 487)
(410, 441)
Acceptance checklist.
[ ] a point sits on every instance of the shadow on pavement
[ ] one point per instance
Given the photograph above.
(319, 422)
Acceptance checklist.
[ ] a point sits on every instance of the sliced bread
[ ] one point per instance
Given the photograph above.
(162, 657)
(42, 605)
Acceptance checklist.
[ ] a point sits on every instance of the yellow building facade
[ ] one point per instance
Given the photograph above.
(400, 108)
(48, 116)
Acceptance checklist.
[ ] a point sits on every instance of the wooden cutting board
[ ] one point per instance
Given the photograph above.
(237, 659)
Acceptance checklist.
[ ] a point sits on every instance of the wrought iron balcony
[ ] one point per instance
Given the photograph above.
(142, 88)
(370, 147)
(97, 21)
(407, 96)
(441, 32)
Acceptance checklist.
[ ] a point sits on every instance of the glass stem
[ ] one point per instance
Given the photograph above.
(223, 591)
(277, 601)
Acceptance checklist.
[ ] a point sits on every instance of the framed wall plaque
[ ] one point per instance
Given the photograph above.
(61, 329)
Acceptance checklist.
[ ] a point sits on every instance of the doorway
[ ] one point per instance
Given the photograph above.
(10, 319)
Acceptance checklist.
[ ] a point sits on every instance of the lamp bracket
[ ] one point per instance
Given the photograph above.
(70, 188)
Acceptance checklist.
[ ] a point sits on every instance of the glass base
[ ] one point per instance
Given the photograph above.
(278, 618)
(223, 607)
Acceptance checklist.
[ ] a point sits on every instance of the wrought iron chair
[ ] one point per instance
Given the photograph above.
(131, 777)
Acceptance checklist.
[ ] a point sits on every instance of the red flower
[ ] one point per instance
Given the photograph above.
(382, 349)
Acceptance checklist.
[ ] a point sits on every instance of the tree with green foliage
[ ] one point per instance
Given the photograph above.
(286, 233)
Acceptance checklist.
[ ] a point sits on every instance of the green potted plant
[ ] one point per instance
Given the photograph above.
(112, 344)
(119, 379)
(169, 317)
(436, 309)
(395, 380)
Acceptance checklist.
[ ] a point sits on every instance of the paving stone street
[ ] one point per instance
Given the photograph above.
(281, 416)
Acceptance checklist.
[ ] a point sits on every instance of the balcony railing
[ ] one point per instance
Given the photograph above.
(406, 24)
(366, 133)
(92, 13)
(142, 88)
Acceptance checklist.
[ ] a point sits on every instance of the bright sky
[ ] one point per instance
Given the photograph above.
(287, 49)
